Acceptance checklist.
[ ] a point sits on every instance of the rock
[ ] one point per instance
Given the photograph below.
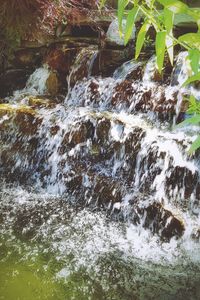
(61, 58)
(53, 84)
(26, 57)
(123, 94)
(82, 131)
(157, 219)
(14, 79)
(113, 35)
(109, 59)
(183, 179)
(36, 102)
(24, 117)
(83, 64)
(102, 130)
(130, 70)
(162, 221)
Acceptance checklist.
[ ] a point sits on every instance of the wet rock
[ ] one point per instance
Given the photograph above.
(83, 65)
(102, 130)
(123, 94)
(162, 221)
(130, 70)
(109, 59)
(157, 219)
(182, 179)
(196, 234)
(52, 84)
(61, 59)
(84, 131)
(36, 102)
(93, 91)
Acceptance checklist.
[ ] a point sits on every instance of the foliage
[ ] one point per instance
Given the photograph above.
(162, 20)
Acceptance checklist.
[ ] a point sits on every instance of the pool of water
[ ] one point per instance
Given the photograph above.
(52, 250)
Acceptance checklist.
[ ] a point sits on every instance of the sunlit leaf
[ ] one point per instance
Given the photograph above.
(190, 121)
(160, 49)
(121, 7)
(141, 38)
(193, 78)
(175, 6)
(194, 57)
(195, 145)
(191, 39)
(170, 48)
(168, 20)
(130, 21)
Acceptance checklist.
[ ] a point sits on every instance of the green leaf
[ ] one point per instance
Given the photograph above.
(102, 3)
(193, 78)
(195, 145)
(160, 49)
(190, 121)
(130, 21)
(121, 7)
(191, 39)
(170, 48)
(175, 6)
(168, 20)
(141, 38)
(194, 106)
(194, 57)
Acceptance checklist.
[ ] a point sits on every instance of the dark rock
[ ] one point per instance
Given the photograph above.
(13, 80)
(182, 178)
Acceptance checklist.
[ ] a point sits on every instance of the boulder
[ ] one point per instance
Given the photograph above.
(113, 36)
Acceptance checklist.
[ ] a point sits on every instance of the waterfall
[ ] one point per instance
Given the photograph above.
(107, 152)
(36, 84)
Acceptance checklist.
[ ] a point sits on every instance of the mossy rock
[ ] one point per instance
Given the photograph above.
(36, 102)
(23, 117)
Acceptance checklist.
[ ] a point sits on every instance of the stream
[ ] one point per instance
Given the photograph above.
(99, 197)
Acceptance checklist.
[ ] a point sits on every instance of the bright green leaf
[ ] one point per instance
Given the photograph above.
(130, 21)
(195, 145)
(190, 121)
(194, 106)
(175, 6)
(141, 38)
(193, 78)
(194, 57)
(121, 7)
(168, 20)
(191, 39)
(160, 49)
(170, 48)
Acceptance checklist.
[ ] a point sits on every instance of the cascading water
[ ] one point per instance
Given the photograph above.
(101, 185)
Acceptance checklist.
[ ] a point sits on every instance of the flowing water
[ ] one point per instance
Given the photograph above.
(99, 197)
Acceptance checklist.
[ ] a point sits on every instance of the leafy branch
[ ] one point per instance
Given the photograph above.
(162, 20)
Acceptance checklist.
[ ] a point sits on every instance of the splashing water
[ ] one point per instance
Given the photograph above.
(104, 189)
(36, 84)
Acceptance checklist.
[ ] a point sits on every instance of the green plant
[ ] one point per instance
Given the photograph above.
(160, 15)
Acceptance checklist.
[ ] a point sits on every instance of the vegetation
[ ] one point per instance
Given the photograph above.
(160, 14)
